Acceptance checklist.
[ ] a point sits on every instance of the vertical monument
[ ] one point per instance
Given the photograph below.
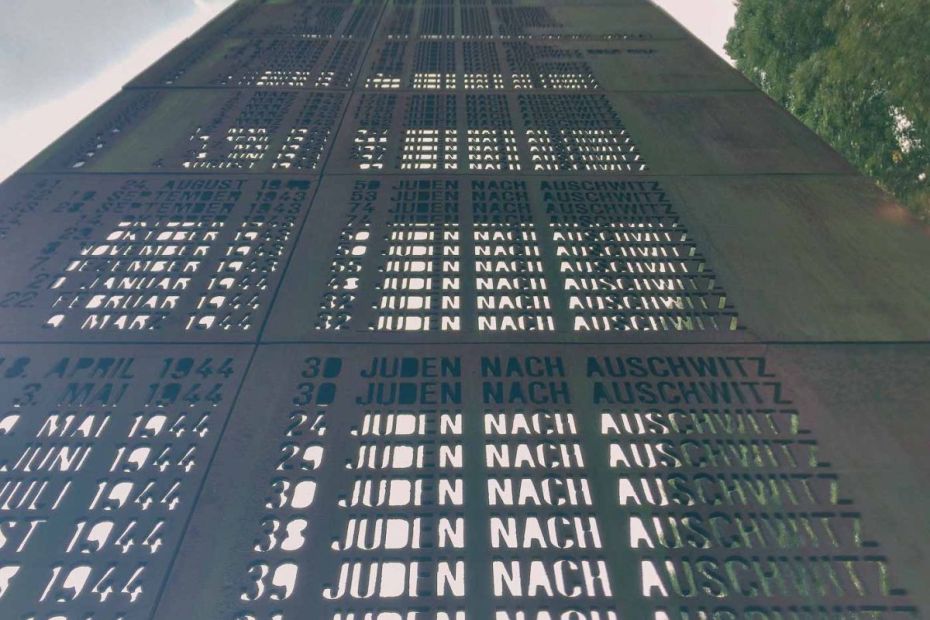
(457, 310)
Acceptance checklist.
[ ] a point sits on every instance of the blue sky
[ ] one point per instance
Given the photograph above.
(56, 65)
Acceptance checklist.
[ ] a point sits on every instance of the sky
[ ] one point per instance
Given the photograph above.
(709, 20)
(61, 59)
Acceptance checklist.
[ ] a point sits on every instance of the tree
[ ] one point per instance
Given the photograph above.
(770, 39)
(857, 72)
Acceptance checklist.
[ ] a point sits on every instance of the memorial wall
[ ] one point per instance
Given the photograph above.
(457, 310)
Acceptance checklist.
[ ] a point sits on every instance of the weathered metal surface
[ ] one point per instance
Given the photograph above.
(202, 130)
(145, 257)
(550, 258)
(812, 258)
(532, 479)
(457, 311)
(103, 451)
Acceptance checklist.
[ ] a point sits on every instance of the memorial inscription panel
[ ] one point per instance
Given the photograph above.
(102, 456)
(604, 483)
(501, 254)
(451, 310)
(144, 257)
(194, 130)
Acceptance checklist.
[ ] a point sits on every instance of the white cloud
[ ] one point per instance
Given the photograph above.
(30, 128)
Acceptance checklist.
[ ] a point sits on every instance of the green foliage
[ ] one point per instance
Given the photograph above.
(857, 72)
